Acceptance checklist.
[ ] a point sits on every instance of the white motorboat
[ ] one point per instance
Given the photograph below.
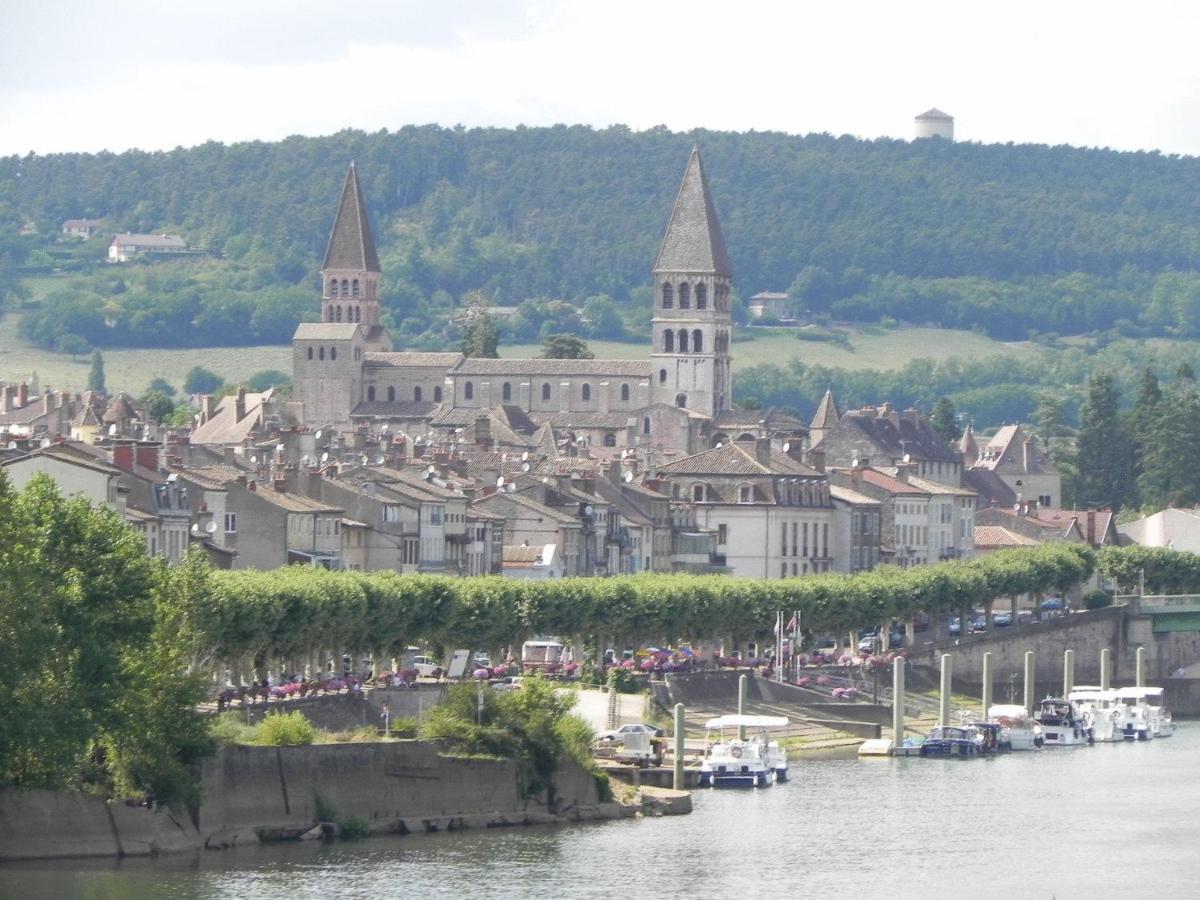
(755, 760)
(1102, 709)
(1063, 723)
(1018, 730)
(1150, 701)
(1135, 714)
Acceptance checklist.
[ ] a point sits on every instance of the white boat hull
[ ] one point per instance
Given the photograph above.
(1022, 739)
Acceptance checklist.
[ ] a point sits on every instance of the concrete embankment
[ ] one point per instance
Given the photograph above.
(254, 794)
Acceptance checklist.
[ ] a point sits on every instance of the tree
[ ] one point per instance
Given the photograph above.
(603, 320)
(96, 375)
(162, 386)
(1048, 416)
(480, 338)
(267, 378)
(72, 344)
(158, 405)
(565, 346)
(1103, 455)
(944, 421)
(1142, 421)
(200, 380)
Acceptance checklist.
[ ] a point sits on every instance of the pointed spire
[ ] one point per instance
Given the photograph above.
(827, 414)
(351, 245)
(693, 242)
(967, 446)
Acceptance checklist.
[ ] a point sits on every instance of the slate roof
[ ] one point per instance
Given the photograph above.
(995, 536)
(895, 434)
(417, 358)
(1007, 446)
(990, 487)
(400, 409)
(531, 505)
(967, 446)
(325, 331)
(65, 454)
(225, 427)
(294, 502)
(827, 414)
(733, 459)
(693, 242)
(583, 419)
(627, 368)
(213, 477)
(772, 419)
(351, 245)
(935, 113)
(151, 241)
(846, 495)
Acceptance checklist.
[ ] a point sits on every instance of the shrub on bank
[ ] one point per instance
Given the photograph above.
(290, 729)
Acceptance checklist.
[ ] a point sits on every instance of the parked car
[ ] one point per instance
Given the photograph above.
(426, 666)
(1002, 619)
(869, 642)
(826, 646)
(617, 734)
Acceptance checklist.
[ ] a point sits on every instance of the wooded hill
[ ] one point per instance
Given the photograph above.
(1003, 238)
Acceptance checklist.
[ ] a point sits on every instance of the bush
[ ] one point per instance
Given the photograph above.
(1097, 599)
(291, 729)
(353, 828)
(623, 681)
(231, 728)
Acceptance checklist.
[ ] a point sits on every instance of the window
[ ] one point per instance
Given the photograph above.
(698, 493)
(546, 391)
(391, 513)
(337, 314)
(506, 392)
(333, 288)
(585, 392)
(783, 534)
(662, 376)
(804, 545)
(681, 401)
(668, 341)
(745, 493)
(646, 426)
(345, 287)
(610, 439)
(795, 546)
(469, 390)
(358, 314)
(417, 394)
(1044, 500)
(333, 352)
(701, 297)
(354, 288)
(624, 393)
(668, 297)
(310, 352)
(230, 523)
(683, 340)
(697, 341)
(435, 515)
(391, 394)
(321, 353)
(371, 394)
(685, 300)
(722, 534)
(437, 395)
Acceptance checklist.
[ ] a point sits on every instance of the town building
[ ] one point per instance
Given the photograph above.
(769, 304)
(126, 247)
(82, 228)
(1174, 529)
(1010, 468)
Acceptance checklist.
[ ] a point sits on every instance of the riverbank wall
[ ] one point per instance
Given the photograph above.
(255, 794)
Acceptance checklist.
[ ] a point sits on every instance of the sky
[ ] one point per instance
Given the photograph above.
(81, 75)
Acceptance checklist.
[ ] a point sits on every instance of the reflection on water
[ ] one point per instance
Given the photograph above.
(1087, 822)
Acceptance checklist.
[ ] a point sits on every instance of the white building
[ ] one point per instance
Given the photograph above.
(933, 123)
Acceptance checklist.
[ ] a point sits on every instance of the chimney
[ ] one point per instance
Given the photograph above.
(816, 457)
(1026, 454)
(483, 432)
(122, 455)
(794, 447)
(208, 407)
(147, 456)
(904, 471)
(762, 451)
(230, 456)
(1091, 523)
(615, 471)
(240, 408)
(23, 396)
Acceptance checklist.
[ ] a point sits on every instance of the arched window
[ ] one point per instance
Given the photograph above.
(683, 340)
(610, 439)
(337, 314)
(646, 425)
(310, 352)
(624, 393)
(417, 394)
(345, 287)
(668, 296)
(391, 394)
(354, 288)
(358, 314)
(546, 391)
(681, 400)
(685, 297)
(698, 493)
(469, 391)
(321, 353)
(697, 341)
(371, 394)
(668, 341)
(333, 287)
(437, 395)
(662, 373)
(585, 392)
(506, 392)
(333, 352)
(701, 297)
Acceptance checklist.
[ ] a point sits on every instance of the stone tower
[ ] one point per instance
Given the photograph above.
(350, 274)
(692, 327)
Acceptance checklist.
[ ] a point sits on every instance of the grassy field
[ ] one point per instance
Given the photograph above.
(130, 370)
(868, 350)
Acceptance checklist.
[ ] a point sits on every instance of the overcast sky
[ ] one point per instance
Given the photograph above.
(88, 75)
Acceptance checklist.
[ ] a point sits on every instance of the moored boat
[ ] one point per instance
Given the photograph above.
(1063, 723)
(1018, 730)
(1135, 714)
(754, 761)
(1102, 709)
(952, 740)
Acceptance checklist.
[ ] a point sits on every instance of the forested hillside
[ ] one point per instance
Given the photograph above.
(1005, 239)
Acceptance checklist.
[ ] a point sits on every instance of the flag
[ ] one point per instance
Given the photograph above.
(792, 623)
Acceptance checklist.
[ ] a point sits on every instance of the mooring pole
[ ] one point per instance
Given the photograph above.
(678, 780)
(1104, 668)
(1141, 667)
(986, 694)
(741, 705)
(944, 709)
(1068, 672)
(898, 702)
(1030, 687)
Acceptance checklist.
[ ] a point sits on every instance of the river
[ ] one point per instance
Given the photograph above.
(1110, 820)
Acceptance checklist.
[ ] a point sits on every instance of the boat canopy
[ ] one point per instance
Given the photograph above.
(1138, 693)
(1007, 710)
(735, 721)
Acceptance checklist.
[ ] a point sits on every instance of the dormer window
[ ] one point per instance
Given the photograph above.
(745, 493)
(699, 493)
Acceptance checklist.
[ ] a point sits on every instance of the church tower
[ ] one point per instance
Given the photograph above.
(350, 274)
(692, 326)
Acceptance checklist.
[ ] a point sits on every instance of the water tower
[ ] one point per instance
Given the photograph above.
(933, 123)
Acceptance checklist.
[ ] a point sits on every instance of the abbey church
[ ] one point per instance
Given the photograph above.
(348, 377)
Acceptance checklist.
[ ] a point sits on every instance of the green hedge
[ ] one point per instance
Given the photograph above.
(1166, 571)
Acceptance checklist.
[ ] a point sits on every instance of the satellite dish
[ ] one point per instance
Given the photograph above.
(324, 457)
(304, 460)
(509, 488)
(254, 459)
(524, 467)
(211, 527)
(428, 476)
(196, 529)
(500, 481)
(317, 436)
(787, 445)
(719, 446)
(383, 427)
(430, 470)
(907, 457)
(364, 459)
(458, 431)
(45, 442)
(173, 477)
(112, 429)
(379, 460)
(628, 476)
(525, 456)
(587, 510)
